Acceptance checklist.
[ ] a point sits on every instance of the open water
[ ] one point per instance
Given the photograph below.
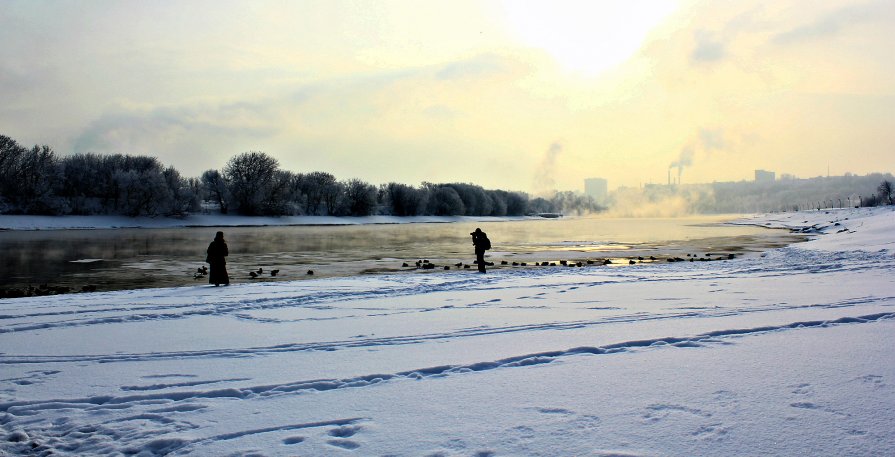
(141, 258)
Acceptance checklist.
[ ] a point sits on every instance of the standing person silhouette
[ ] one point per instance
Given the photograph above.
(482, 243)
(217, 258)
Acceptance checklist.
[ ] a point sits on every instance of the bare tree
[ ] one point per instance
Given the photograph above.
(885, 192)
(250, 177)
(359, 198)
(517, 203)
(81, 183)
(331, 193)
(318, 189)
(29, 179)
(405, 200)
(142, 188)
(214, 188)
(278, 198)
(10, 161)
(183, 198)
(445, 201)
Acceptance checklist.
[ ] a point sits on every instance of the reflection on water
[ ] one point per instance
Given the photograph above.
(140, 258)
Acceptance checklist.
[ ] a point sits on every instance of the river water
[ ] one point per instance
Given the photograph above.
(141, 258)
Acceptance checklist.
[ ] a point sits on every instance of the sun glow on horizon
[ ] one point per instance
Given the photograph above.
(587, 37)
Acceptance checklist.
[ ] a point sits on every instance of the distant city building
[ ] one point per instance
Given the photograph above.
(598, 188)
(762, 176)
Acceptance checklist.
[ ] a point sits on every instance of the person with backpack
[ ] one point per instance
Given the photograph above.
(482, 243)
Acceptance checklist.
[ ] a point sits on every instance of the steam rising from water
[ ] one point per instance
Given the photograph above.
(545, 181)
(662, 201)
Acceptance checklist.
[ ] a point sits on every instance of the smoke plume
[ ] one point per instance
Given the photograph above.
(685, 159)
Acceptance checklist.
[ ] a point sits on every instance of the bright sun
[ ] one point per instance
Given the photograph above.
(587, 36)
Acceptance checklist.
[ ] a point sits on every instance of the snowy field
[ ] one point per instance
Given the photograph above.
(785, 353)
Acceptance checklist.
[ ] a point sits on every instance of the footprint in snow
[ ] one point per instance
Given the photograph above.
(657, 412)
(346, 431)
(873, 379)
(344, 444)
(726, 398)
(805, 405)
(811, 406)
(32, 377)
(294, 440)
(562, 411)
(711, 432)
(801, 389)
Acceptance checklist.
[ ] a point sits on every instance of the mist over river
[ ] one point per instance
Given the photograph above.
(113, 259)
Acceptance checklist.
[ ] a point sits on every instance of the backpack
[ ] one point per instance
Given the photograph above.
(486, 243)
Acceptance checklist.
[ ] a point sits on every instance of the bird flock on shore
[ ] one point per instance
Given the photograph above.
(425, 264)
(44, 290)
(422, 264)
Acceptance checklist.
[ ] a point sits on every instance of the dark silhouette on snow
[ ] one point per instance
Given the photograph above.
(482, 243)
(217, 253)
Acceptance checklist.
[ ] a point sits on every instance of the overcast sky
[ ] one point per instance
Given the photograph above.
(516, 95)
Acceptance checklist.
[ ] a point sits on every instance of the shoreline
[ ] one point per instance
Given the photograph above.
(173, 272)
(46, 223)
(9, 223)
(801, 227)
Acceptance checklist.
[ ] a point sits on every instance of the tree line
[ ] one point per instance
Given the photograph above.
(38, 181)
(785, 194)
(793, 194)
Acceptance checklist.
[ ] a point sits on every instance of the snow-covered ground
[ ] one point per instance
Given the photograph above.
(788, 353)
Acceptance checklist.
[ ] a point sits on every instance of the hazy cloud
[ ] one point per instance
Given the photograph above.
(365, 84)
(712, 139)
(714, 43)
(317, 105)
(709, 48)
(145, 131)
(477, 67)
(834, 22)
(440, 112)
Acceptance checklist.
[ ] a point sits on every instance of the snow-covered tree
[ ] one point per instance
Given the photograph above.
(885, 191)
(214, 188)
(250, 179)
(359, 198)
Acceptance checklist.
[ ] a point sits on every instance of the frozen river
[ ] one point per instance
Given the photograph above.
(140, 258)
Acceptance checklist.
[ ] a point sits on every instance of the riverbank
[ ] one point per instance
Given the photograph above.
(17, 222)
(784, 353)
(836, 229)
(127, 258)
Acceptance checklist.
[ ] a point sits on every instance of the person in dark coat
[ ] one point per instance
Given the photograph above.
(482, 243)
(217, 258)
